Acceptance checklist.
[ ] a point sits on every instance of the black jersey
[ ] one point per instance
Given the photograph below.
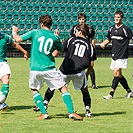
(90, 35)
(77, 55)
(120, 40)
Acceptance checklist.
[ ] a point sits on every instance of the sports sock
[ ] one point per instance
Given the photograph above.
(39, 102)
(124, 83)
(112, 93)
(92, 76)
(48, 95)
(68, 101)
(115, 82)
(5, 89)
(86, 99)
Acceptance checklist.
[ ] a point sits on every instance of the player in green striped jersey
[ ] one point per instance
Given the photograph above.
(5, 72)
(42, 64)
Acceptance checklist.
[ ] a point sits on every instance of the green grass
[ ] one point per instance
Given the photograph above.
(110, 116)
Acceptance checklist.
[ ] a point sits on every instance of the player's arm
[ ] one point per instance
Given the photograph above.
(17, 46)
(16, 37)
(104, 43)
(93, 42)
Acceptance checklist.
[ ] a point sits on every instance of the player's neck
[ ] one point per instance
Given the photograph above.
(118, 25)
(44, 27)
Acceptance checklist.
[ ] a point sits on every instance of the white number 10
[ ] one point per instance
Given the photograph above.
(47, 48)
(79, 50)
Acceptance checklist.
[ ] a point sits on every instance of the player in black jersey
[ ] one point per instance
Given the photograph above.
(78, 51)
(120, 36)
(90, 36)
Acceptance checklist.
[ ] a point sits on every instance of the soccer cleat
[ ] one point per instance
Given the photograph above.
(75, 116)
(3, 106)
(129, 95)
(88, 114)
(35, 108)
(94, 87)
(43, 116)
(108, 97)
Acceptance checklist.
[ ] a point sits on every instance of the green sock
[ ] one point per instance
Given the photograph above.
(5, 89)
(68, 101)
(39, 102)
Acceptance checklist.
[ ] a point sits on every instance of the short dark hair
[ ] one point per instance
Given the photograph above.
(46, 20)
(83, 28)
(81, 15)
(120, 13)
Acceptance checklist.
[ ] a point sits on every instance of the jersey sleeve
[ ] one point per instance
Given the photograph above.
(91, 32)
(27, 35)
(58, 44)
(108, 34)
(9, 39)
(130, 33)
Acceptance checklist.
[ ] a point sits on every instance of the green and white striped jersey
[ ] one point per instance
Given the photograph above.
(43, 43)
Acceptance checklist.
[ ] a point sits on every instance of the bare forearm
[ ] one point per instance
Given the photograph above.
(104, 43)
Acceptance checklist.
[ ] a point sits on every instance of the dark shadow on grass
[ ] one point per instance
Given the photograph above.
(10, 108)
(60, 116)
(105, 86)
(109, 113)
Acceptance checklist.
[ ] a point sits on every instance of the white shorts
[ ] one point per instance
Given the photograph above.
(4, 69)
(79, 80)
(119, 63)
(52, 78)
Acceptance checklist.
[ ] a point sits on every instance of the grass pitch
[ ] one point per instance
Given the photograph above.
(110, 116)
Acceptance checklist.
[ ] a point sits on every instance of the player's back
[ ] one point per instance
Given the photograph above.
(77, 55)
(44, 42)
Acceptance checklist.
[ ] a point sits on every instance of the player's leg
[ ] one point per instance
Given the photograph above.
(47, 97)
(125, 85)
(36, 81)
(93, 79)
(68, 102)
(4, 77)
(86, 100)
(80, 83)
(115, 82)
(55, 81)
(39, 103)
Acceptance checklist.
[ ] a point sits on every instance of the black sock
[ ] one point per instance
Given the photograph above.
(112, 93)
(48, 95)
(86, 99)
(115, 82)
(124, 83)
(92, 76)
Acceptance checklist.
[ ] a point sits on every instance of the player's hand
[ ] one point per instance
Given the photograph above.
(26, 55)
(14, 29)
(57, 32)
(102, 45)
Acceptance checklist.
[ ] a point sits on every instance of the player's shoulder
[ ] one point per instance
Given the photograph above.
(2, 35)
(125, 26)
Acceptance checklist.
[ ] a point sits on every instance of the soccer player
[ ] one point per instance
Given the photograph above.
(5, 72)
(90, 36)
(42, 64)
(120, 36)
(78, 51)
